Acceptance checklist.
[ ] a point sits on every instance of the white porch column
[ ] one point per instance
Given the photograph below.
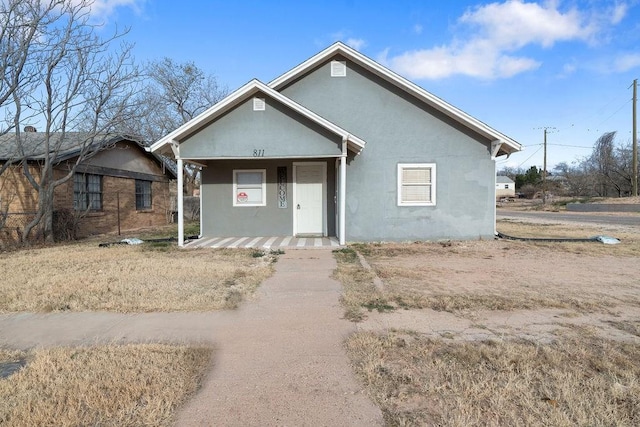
(180, 202)
(343, 193)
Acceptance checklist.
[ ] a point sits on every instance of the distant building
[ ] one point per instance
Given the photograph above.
(505, 187)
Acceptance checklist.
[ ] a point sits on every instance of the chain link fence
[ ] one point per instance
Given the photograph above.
(11, 226)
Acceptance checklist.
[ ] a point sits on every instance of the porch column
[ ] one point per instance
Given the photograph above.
(180, 173)
(343, 193)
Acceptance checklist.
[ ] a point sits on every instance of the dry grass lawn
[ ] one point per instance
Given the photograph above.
(573, 381)
(141, 278)
(571, 369)
(130, 385)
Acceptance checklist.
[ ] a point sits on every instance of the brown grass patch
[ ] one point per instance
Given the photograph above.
(573, 381)
(141, 278)
(130, 385)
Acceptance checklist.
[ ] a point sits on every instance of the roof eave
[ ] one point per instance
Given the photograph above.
(400, 82)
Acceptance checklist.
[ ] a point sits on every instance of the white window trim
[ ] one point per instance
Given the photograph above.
(235, 187)
(431, 166)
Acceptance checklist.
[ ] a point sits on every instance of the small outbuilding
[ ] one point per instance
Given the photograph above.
(505, 187)
(341, 147)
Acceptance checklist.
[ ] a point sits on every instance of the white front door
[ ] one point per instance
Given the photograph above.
(309, 204)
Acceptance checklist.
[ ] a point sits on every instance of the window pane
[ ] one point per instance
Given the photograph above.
(416, 176)
(249, 196)
(416, 193)
(143, 194)
(93, 184)
(249, 179)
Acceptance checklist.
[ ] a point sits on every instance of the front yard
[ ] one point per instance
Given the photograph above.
(499, 332)
(129, 278)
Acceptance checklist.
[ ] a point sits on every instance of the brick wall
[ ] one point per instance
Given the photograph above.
(18, 196)
(16, 193)
(118, 196)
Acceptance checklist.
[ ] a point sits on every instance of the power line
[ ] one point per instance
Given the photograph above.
(534, 153)
(572, 146)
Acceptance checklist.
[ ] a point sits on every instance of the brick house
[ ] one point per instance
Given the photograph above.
(121, 187)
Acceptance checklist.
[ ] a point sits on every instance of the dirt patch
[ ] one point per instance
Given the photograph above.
(499, 332)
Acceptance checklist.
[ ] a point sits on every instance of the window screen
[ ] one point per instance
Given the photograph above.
(416, 184)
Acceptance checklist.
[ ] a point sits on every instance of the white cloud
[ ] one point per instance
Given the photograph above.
(104, 8)
(357, 44)
(495, 33)
(619, 12)
(417, 29)
(626, 62)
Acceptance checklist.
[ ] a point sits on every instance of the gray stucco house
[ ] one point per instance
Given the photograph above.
(341, 146)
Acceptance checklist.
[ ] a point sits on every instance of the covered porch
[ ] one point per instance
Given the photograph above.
(269, 167)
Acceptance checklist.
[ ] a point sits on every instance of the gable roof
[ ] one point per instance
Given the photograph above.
(32, 145)
(250, 89)
(68, 145)
(508, 145)
(501, 179)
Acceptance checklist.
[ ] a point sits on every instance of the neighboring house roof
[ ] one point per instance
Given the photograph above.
(508, 145)
(500, 179)
(241, 95)
(67, 147)
(32, 146)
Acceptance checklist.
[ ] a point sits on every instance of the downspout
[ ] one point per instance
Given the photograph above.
(343, 192)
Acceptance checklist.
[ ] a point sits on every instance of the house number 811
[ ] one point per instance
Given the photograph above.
(258, 152)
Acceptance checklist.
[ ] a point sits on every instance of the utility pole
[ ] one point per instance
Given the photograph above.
(544, 170)
(634, 139)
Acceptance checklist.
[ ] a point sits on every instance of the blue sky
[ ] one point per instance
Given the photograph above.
(519, 66)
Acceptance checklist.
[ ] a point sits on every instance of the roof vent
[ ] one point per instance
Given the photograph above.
(30, 129)
(258, 104)
(338, 68)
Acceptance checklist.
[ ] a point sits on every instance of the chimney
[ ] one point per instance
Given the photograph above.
(30, 129)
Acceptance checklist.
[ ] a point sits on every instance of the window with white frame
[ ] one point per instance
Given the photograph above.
(249, 187)
(416, 184)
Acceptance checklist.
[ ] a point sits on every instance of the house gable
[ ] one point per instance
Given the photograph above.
(126, 159)
(205, 145)
(502, 144)
(275, 132)
(401, 129)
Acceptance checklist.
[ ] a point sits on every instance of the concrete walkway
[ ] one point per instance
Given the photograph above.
(278, 360)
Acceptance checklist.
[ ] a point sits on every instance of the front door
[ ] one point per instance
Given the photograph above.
(309, 204)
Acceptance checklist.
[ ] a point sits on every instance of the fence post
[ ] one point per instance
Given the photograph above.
(118, 209)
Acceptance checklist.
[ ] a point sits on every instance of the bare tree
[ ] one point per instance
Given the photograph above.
(174, 94)
(60, 74)
(610, 167)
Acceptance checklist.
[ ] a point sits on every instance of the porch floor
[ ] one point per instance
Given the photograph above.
(287, 242)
